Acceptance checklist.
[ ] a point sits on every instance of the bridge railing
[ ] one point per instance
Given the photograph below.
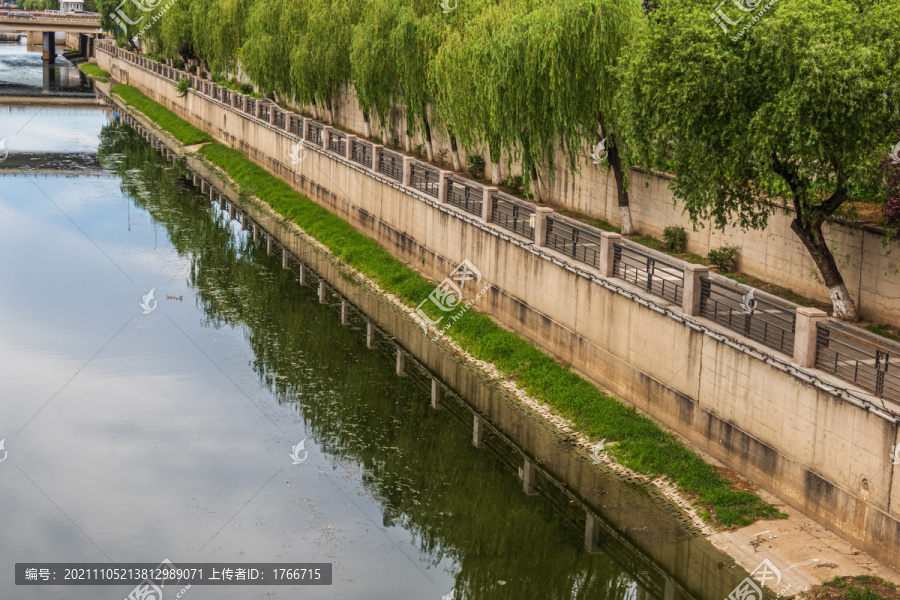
(862, 359)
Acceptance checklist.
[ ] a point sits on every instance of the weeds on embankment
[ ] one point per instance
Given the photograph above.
(859, 587)
(183, 131)
(634, 440)
(93, 71)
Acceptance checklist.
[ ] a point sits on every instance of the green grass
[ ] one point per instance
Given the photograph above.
(860, 587)
(884, 331)
(640, 443)
(93, 70)
(183, 131)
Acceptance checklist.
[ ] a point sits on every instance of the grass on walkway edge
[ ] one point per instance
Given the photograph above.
(92, 70)
(636, 441)
(183, 131)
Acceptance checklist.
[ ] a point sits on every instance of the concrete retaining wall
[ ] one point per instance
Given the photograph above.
(752, 410)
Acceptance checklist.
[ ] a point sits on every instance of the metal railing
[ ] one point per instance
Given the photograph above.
(871, 363)
(296, 125)
(337, 142)
(424, 179)
(465, 196)
(511, 214)
(574, 241)
(226, 96)
(263, 112)
(239, 101)
(768, 323)
(278, 118)
(361, 152)
(390, 164)
(655, 276)
(250, 106)
(314, 134)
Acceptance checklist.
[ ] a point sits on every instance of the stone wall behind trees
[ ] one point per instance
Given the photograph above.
(870, 268)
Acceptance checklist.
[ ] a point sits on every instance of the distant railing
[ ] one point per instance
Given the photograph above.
(464, 196)
(314, 134)
(512, 214)
(361, 153)
(250, 106)
(263, 112)
(277, 118)
(424, 179)
(655, 276)
(862, 360)
(239, 101)
(226, 96)
(768, 323)
(579, 243)
(390, 164)
(296, 125)
(337, 142)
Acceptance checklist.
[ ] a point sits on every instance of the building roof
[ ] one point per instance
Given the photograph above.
(72, 1)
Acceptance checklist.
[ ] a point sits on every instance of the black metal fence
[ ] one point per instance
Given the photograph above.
(862, 360)
(465, 196)
(361, 152)
(314, 134)
(296, 124)
(511, 214)
(390, 164)
(424, 179)
(337, 142)
(263, 112)
(580, 244)
(239, 101)
(655, 276)
(278, 118)
(767, 323)
(250, 106)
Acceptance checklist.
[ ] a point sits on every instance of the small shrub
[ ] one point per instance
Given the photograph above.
(192, 69)
(182, 87)
(675, 239)
(246, 88)
(724, 258)
(441, 156)
(476, 165)
(419, 151)
(178, 63)
(514, 183)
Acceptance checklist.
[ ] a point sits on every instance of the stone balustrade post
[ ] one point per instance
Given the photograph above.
(376, 150)
(401, 363)
(608, 240)
(443, 185)
(326, 133)
(487, 205)
(437, 393)
(540, 225)
(693, 289)
(304, 129)
(407, 169)
(349, 149)
(805, 335)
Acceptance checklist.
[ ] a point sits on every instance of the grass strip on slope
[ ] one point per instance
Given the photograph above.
(183, 131)
(639, 442)
(93, 70)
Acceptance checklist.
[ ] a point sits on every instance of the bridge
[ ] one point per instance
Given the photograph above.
(48, 25)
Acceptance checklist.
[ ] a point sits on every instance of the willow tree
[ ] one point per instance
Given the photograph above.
(272, 29)
(172, 36)
(320, 58)
(219, 28)
(801, 106)
(372, 66)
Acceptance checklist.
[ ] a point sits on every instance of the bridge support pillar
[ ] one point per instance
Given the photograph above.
(49, 46)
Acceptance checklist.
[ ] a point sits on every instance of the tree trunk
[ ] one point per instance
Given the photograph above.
(615, 161)
(367, 126)
(454, 151)
(842, 302)
(494, 155)
(315, 110)
(429, 148)
(330, 108)
(535, 185)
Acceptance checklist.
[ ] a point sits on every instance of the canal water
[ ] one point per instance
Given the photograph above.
(240, 414)
(23, 73)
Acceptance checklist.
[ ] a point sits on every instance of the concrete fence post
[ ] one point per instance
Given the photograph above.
(232, 211)
(255, 232)
(608, 240)
(805, 335)
(194, 175)
(407, 169)
(285, 259)
(345, 312)
(693, 289)
(528, 476)
(304, 128)
(269, 245)
(443, 185)
(321, 292)
(245, 223)
(211, 193)
(302, 277)
(370, 334)
(272, 110)
(376, 150)
(348, 154)
(592, 534)
(221, 202)
(540, 225)
(326, 133)
(487, 205)
(202, 186)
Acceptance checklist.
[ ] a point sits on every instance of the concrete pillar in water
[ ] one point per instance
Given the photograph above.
(477, 432)
(302, 274)
(370, 334)
(401, 363)
(49, 46)
(321, 292)
(437, 393)
(592, 534)
(269, 245)
(528, 476)
(345, 312)
(49, 72)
